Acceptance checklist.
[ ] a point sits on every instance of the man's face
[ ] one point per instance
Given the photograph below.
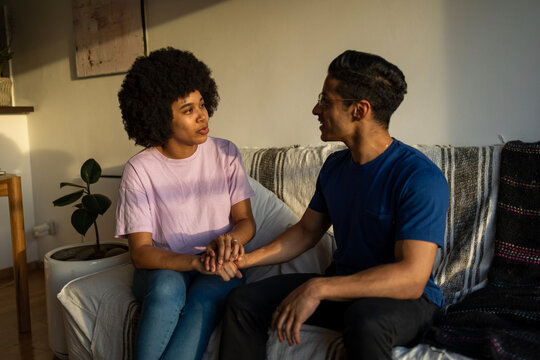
(335, 118)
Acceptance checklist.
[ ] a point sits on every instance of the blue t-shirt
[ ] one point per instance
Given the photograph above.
(399, 195)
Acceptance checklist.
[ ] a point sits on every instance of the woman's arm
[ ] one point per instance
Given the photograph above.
(144, 255)
(243, 222)
(230, 246)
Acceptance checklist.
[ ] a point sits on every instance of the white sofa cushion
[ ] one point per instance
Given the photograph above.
(96, 312)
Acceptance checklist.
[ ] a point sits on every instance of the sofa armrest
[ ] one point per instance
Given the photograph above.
(99, 310)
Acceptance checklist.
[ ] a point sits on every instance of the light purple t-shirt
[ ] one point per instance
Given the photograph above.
(184, 203)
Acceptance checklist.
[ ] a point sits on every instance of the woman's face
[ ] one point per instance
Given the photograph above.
(189, 126)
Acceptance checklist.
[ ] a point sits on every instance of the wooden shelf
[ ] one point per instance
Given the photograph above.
(16, 109)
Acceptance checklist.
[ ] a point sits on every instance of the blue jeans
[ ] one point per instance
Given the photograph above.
(179, 312)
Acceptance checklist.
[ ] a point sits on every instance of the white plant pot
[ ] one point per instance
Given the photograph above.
(57, 274)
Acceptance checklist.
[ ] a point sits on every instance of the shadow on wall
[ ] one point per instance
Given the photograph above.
(10, 161)
(46, 40)
(46, 186)
(108, 186)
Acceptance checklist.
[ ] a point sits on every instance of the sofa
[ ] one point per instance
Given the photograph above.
(101, 313)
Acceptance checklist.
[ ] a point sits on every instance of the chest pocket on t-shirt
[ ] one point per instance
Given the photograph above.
(380, 233)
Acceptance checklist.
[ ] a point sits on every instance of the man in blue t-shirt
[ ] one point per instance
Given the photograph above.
(387, 203)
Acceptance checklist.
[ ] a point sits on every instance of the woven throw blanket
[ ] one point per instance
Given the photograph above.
(289, 172)
(472, 172)
(502, 320)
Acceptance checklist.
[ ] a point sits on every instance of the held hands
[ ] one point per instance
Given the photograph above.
(228, 270)
(225, 248)
(221, 257)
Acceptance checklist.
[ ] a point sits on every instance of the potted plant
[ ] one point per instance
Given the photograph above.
(69, 262)
(87, 211)
(5, 82)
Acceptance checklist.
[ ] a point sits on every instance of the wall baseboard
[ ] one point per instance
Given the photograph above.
(7, 273)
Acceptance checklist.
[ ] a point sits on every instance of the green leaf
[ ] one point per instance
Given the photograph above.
(82, 219)
(62, 184)
(68, 199)
(90, 171)
(90, 203)
(104, 203)
(96, 203)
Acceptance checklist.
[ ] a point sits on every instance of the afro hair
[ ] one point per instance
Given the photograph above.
(150, 87)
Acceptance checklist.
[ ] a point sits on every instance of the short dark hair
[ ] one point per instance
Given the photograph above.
(369, 77)
(150, 87)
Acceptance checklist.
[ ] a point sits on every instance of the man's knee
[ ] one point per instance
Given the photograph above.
(363, 321)
(240, 299)
(376, 325)
(369, 332)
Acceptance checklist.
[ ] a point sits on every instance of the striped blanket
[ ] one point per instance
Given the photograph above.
(502, 320)
(472, 174)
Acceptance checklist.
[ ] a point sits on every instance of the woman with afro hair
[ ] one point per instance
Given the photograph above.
(185, 195)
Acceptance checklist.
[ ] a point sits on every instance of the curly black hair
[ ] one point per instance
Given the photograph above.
(370, 77)
(150, 87)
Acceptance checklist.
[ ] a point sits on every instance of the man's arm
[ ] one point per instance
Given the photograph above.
(291, 243)
(404, 279)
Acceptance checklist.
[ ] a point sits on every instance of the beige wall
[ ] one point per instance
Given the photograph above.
(471, 68)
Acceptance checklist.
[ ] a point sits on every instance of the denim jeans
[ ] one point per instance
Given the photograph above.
(179, 312)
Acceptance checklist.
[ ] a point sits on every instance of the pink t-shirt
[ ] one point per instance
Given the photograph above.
(184, 203)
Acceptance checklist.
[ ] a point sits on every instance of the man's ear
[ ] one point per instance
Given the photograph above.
(361, 109)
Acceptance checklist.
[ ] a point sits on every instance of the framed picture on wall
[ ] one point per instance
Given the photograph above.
(109, 35)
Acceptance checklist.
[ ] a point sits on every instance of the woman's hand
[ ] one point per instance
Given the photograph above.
(223, 249)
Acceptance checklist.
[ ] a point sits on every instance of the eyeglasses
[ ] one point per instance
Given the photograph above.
(322, 100)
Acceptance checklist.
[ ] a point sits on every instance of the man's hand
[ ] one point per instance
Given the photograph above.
(293, 311)
(221, 250)
(227, 271)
